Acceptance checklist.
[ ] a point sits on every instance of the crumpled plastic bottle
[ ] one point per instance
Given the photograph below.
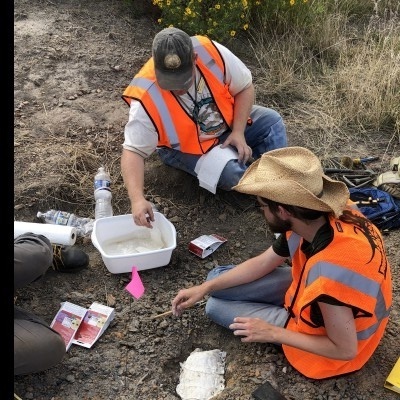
(83, 226)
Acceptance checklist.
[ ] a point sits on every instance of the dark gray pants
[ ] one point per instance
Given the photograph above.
(36, 346)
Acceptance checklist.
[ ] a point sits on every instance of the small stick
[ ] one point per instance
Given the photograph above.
(164, 314)
(17, 397)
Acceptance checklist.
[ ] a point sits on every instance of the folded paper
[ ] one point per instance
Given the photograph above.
(209, 167)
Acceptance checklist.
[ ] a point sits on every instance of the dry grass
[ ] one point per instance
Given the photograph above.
(337, 81)
(70, 186)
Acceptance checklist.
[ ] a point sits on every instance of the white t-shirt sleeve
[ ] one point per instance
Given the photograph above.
(140, 135)
(238, 76)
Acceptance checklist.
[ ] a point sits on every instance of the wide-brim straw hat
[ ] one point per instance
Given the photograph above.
(294, 176)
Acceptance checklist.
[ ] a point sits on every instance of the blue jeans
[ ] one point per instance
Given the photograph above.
(267, 132)
(263, 298)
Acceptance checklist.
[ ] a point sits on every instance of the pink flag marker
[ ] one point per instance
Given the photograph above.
(135, 286)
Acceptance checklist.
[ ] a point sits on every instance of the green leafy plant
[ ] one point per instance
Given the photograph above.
(220, 20)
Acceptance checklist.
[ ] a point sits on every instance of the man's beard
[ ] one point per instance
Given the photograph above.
(278, 225)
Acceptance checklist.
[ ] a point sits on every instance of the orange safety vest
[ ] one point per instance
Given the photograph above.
(175, 127)
(354, 270)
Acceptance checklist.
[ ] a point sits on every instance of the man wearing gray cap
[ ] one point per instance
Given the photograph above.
(329, 306)
(193, 103)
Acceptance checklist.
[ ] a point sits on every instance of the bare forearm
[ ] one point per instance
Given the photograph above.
(242, 108)
(132, 168)
(339, 342)
(321, 345)
(248, 271)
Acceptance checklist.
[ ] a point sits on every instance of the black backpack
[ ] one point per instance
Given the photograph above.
(378, 206)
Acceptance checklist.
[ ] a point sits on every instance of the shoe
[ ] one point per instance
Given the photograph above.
(69, 259)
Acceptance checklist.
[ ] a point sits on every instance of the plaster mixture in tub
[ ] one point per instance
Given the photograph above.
(141, 241)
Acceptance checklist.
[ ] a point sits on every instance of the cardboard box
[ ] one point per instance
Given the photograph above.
(82, 326)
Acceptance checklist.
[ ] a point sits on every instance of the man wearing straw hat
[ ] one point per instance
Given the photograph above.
(330, 307)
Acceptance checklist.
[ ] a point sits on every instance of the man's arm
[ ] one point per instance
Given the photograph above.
(132, 168)
(340, 342)
(239, 79)
(244, 101)
(248, 271)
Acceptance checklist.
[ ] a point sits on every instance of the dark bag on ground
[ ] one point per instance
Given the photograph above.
(378, 206)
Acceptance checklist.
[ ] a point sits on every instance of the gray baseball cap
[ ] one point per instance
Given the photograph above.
(173, 59)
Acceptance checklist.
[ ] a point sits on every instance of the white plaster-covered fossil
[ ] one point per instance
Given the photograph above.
(202, 375)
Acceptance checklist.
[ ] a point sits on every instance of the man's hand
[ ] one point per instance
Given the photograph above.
(254, 330)
(142, 213)
(239, 142)
(186, 298)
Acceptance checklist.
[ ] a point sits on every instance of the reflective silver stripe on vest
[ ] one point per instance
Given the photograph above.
(155, 94)
(381, 313)
(355, 281)
(208, 61)
(293, 243)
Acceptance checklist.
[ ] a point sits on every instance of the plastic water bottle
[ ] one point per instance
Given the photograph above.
(102, 194)
(57, 217)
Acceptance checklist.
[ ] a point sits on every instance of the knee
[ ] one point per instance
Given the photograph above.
(265, 116)
(211, 310)
(231, 175)
(217, 314)
(36, 353)
(54, 351)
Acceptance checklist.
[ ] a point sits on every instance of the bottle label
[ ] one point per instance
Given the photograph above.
(101, 183)
(62, 218)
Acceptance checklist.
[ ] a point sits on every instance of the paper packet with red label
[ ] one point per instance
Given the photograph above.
(205, 245)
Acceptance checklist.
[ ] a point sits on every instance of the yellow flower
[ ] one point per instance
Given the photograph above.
(214, 23)
(244, 2)
(242, 16)
(217, 6)
(305, 1)
(168, 2)
(188, 11)
(245, 27)
(233, 33)
(258, 3)
(292, 2)
(159, 20)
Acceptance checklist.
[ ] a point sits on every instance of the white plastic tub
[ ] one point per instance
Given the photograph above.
(112, 229)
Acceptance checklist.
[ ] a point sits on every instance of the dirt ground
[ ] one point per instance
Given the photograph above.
(72, 61)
